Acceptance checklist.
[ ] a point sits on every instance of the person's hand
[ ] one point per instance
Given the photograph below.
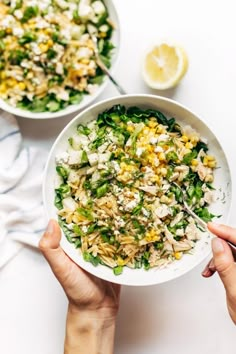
(93, 303)
(223, 263)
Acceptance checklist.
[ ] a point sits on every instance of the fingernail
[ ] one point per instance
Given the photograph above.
(211, 265)
(205, 273)
(217, 245)
(50, 227)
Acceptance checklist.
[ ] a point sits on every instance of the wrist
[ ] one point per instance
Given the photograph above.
(89, 331)
(95, 313)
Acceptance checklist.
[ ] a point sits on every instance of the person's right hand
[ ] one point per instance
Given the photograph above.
(223, 263)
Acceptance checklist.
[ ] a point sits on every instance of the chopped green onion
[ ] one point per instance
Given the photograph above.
(102, 190)
(118, 270)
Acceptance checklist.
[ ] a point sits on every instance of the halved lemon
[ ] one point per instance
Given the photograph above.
(164, 66)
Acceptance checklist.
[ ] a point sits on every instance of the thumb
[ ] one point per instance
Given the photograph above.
(52, 251)
(224, 264)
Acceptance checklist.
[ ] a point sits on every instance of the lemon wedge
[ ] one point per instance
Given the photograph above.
(164, 66)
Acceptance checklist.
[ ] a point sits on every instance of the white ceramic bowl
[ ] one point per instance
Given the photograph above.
(87, 99)
(222, 183)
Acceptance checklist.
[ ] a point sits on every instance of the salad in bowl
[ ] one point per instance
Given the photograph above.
(47, 53)
(117, 178)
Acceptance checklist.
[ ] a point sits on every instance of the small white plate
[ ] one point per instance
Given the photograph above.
(87, 99)
(221, 206)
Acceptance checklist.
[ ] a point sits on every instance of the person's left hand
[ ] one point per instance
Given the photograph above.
(93, 303)
(84, 291)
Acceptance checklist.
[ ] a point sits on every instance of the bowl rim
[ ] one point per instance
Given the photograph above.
(84, 103)
(106, 102)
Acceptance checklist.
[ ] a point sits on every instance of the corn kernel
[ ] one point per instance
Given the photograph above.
(120, 261)
(152, 236)
(3, 75)
(194, 162)
(178, 255)
(50, 43)
(11, 82)
(48, 30)
(210, 158)
(85, 61)
(152, 124)
(43, 47)
(3, 87)
(162, 156)
(194, 140)
(130, 128)
(102, 35)
(22, 86)
(161, 129)
(123, 165)
(212, 164)
(184, 138)
(189, 145)
(205, 161)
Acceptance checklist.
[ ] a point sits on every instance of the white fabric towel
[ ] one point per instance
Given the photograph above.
(22, 218)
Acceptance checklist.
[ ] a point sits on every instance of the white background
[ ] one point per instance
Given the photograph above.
(187, 315)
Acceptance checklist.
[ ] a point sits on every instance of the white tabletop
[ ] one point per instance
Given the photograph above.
(184, 316)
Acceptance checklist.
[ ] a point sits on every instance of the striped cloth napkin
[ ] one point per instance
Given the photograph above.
(22, 218)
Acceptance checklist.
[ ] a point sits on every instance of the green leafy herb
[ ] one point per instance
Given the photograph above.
(27, 38)
(63, 172)
(2, 46)
(82, 129)
(63, 191)
(201, 146)
(77, 230)
(3, 33)
(138, 226)
(171, 156)
(178, 193)
(204, 214)
(53, 106)
(138, 264)
(58, 201)
(159, 245)
(30, 12)
(189, 157)
(88, 257)
(77, 242)
(68, 233)
(51, 53)
(85, 213)
(17, 56)
(102, 190)
(138, 208)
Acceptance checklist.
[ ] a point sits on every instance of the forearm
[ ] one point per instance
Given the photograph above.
(87, 333)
